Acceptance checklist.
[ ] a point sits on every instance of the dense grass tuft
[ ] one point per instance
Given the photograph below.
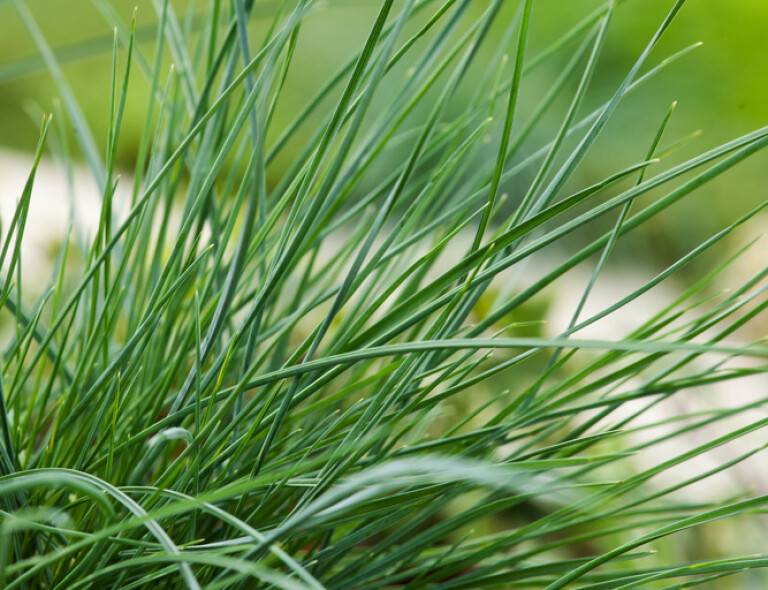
(254, 374)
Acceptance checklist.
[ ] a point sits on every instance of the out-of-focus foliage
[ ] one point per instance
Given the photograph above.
(720, 86)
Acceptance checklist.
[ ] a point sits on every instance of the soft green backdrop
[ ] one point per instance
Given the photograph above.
(722, 87)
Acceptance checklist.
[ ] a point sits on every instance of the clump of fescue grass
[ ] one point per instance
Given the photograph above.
(239, 385)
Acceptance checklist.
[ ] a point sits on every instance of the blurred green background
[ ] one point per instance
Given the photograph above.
(722, 86)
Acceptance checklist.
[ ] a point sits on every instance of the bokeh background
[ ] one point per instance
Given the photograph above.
(721, 86)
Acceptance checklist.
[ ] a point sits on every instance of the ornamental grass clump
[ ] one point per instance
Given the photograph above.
(316, 354)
